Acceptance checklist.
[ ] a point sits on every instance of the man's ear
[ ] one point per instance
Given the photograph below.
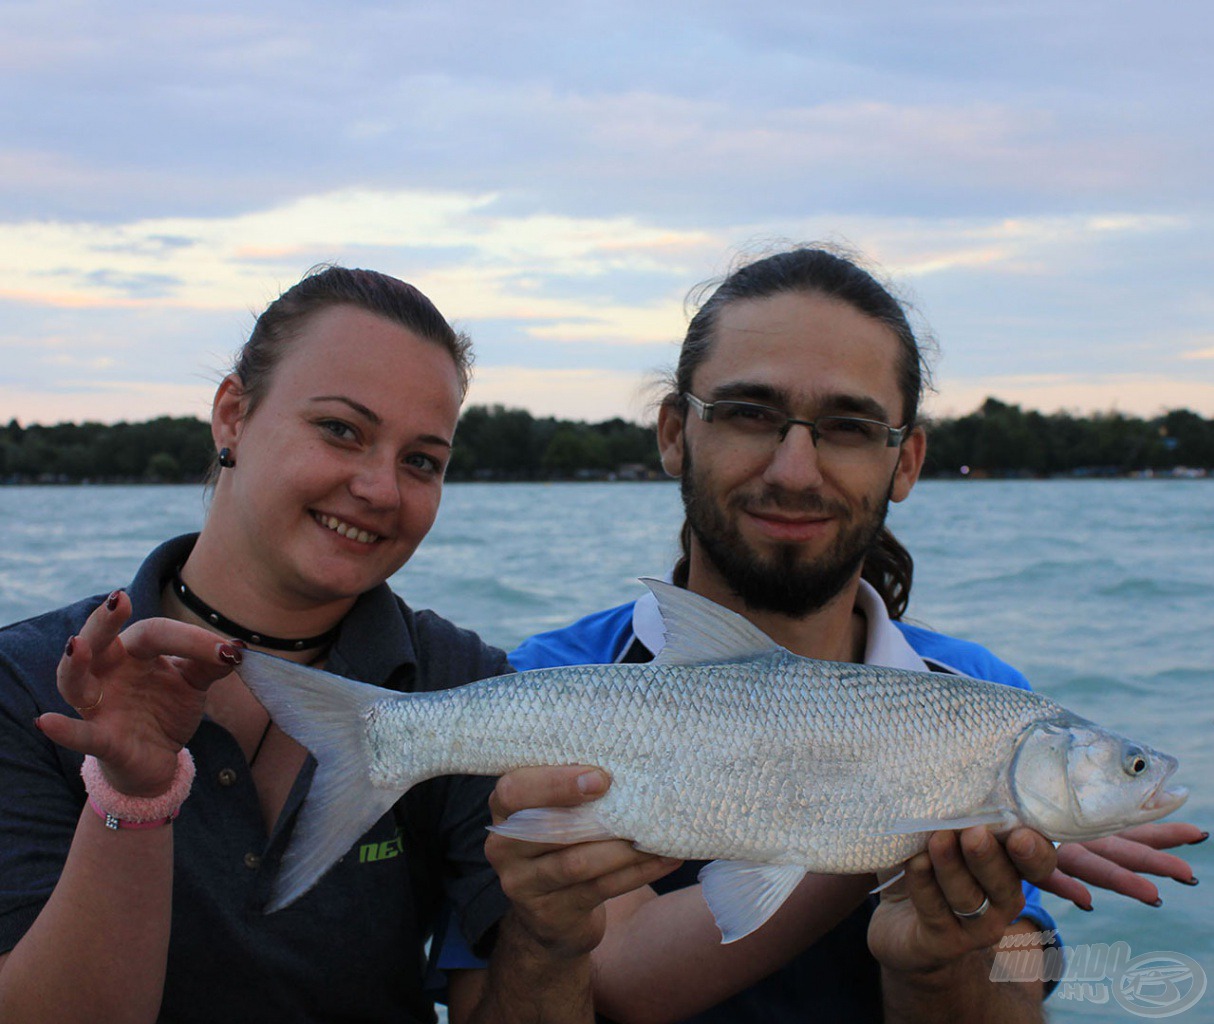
(670, 439)
(910, 464)
(228, 412)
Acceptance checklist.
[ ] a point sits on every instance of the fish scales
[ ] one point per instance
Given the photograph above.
(775, 759)
(725, 748)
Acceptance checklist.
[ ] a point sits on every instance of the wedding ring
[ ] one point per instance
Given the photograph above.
(973, 915)
(91, 707)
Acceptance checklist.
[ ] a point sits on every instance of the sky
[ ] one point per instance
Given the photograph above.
(1035, 177)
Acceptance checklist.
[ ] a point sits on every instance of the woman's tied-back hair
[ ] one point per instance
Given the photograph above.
(325, 286)
(835, 273)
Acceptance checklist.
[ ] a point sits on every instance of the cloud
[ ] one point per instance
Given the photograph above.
(591, 395)
(1145, 396)
(592, 295)
(556, 179)
(707, 117)
(129, 400)
(201, 261)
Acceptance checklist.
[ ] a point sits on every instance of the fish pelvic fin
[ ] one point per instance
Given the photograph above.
(742, 895)
(699, 630)
(327, 714)
(554, 825)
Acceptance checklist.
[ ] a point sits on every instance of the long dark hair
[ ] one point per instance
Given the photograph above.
(816, 270)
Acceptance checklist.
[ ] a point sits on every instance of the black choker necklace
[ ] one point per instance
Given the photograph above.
(275, 643)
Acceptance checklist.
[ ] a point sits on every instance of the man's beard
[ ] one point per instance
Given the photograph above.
(783, 582)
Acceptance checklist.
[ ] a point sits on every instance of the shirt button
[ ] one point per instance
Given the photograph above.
(252, 861)
(227, 776)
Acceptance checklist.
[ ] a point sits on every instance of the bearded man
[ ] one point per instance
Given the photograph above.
(792, 423)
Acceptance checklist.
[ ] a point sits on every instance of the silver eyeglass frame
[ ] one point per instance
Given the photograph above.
(893, 438)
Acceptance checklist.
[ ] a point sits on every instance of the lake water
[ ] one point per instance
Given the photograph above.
(1100, 591)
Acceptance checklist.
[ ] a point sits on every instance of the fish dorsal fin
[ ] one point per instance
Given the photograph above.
(699, 630)
(742, 895)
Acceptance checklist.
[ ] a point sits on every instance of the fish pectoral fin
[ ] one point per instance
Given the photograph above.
(888, 882)
(554, 825)
(699, 630)
(998, 816)
(742, 894)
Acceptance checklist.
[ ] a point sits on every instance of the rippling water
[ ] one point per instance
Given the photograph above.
(1100, 591)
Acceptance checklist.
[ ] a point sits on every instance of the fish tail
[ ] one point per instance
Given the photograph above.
(328, 715)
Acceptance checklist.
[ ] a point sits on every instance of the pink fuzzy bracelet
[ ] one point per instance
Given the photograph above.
(122, 811)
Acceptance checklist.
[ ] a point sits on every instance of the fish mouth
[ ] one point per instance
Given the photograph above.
(1165, 801)
(1161, 801)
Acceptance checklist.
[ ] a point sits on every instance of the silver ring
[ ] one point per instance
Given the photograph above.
(973, 915)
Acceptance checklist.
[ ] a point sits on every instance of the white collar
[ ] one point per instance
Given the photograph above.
(885, 644)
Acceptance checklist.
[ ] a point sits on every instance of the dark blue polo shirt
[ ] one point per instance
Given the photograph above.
(351, 949)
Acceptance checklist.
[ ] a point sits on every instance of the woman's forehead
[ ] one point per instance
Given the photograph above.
(375, 361)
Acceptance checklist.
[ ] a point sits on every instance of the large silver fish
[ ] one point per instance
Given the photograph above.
(726, 748)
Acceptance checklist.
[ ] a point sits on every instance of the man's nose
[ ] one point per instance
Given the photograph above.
(795, 462)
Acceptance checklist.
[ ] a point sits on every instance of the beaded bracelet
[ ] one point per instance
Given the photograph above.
(135, 812)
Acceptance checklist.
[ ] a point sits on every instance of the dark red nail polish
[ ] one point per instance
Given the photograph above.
(229, 654)
(1157, 903)
(1086, 909)
(70, 648)
(239, 643)
(1204, 837)
(1188, 881)
(111, 602)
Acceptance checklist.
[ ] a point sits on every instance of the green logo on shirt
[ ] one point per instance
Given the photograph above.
(368, 853)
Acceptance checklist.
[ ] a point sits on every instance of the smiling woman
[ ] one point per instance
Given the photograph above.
(333, 434)
(341, 477)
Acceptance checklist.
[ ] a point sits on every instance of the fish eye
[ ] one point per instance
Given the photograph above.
(1135, 762)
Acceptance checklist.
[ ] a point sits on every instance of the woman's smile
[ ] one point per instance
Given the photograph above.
(345, 529)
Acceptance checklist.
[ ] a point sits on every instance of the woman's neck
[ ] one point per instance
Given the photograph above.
(228, 597)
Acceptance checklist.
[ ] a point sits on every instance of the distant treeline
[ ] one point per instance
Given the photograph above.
(496, 443)
(1004, 440)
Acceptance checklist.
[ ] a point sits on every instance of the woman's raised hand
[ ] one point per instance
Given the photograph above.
(140, 693)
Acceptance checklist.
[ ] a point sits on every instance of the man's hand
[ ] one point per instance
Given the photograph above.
(558, 891)
(917, 927)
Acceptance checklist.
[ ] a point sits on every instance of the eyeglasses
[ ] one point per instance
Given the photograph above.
(840, 436)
